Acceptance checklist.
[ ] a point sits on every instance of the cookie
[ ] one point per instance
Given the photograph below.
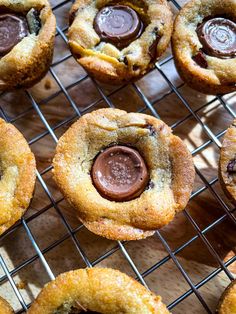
(17, 175)
(227, 304)
(126, 174)
(204, 45)
(119, 42)
(5, 307)
(96, 290)
(27, 31)
(227, 164)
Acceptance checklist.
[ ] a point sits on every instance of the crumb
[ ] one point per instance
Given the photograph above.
(47, 84)
(21, 285)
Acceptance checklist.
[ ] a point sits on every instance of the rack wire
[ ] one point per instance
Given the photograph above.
(227, 212)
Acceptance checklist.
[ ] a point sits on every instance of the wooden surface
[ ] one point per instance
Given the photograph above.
(47, 228)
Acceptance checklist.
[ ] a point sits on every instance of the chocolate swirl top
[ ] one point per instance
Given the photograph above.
(119, 173)
(118, 24)
(218, 37)
(13, 28)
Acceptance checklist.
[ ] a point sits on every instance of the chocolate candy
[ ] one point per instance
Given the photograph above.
(200, 59)
(218, 37)
(13, 28)
(153, 47)
(119, 173)
(118, 24)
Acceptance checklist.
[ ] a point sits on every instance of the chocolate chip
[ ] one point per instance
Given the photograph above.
(34, 21)
(150, 185)
(230, 84)
(125, 61)
(200, 59)
(231, 168)
(151, 129)
(72, 17)
(135, 67)
(152, 48)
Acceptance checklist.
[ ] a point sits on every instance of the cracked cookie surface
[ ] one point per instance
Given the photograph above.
(169, 162)
(17, 175)
(104, 60)
(96, 290)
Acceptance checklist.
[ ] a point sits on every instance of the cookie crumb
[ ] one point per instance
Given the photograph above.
(47, 84)
(21, 285)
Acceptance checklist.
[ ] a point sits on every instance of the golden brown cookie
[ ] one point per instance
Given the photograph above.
(204, 45)
(127, 56)
(5, 307)
(170, 173)
(17, 175)
(96, 290)
(227, 304)
(227, 164)
(27, 31)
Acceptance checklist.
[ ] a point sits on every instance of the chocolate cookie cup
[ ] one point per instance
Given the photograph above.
(227, 164)
(5, 307)
(27, 31)
(227, 303)
(204, 45)
(126, 174)
(98, 291)
(119, 41)
(17, 175)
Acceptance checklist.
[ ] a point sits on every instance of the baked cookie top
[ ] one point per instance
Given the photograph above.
(170, 173)
(26, 51)
(96, 290)
(204, 45)
(112, 50)
(228, 162)
(17, 175)
(227, 304)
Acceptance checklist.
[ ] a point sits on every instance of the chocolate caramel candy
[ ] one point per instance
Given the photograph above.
(13, 28)
(118, 24)
(218, 37)
(119, 173)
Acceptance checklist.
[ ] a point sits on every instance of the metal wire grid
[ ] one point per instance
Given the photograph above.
(171, 255)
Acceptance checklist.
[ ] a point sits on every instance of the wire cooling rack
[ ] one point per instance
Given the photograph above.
(105, 99)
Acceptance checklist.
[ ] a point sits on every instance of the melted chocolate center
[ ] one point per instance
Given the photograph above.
(119, 173)
(218, 37)
(118, 24)
(13, 28)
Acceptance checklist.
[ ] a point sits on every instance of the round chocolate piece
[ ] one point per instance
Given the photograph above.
(218, 37)
(13, 28)
(118, 24)
(119, 173)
